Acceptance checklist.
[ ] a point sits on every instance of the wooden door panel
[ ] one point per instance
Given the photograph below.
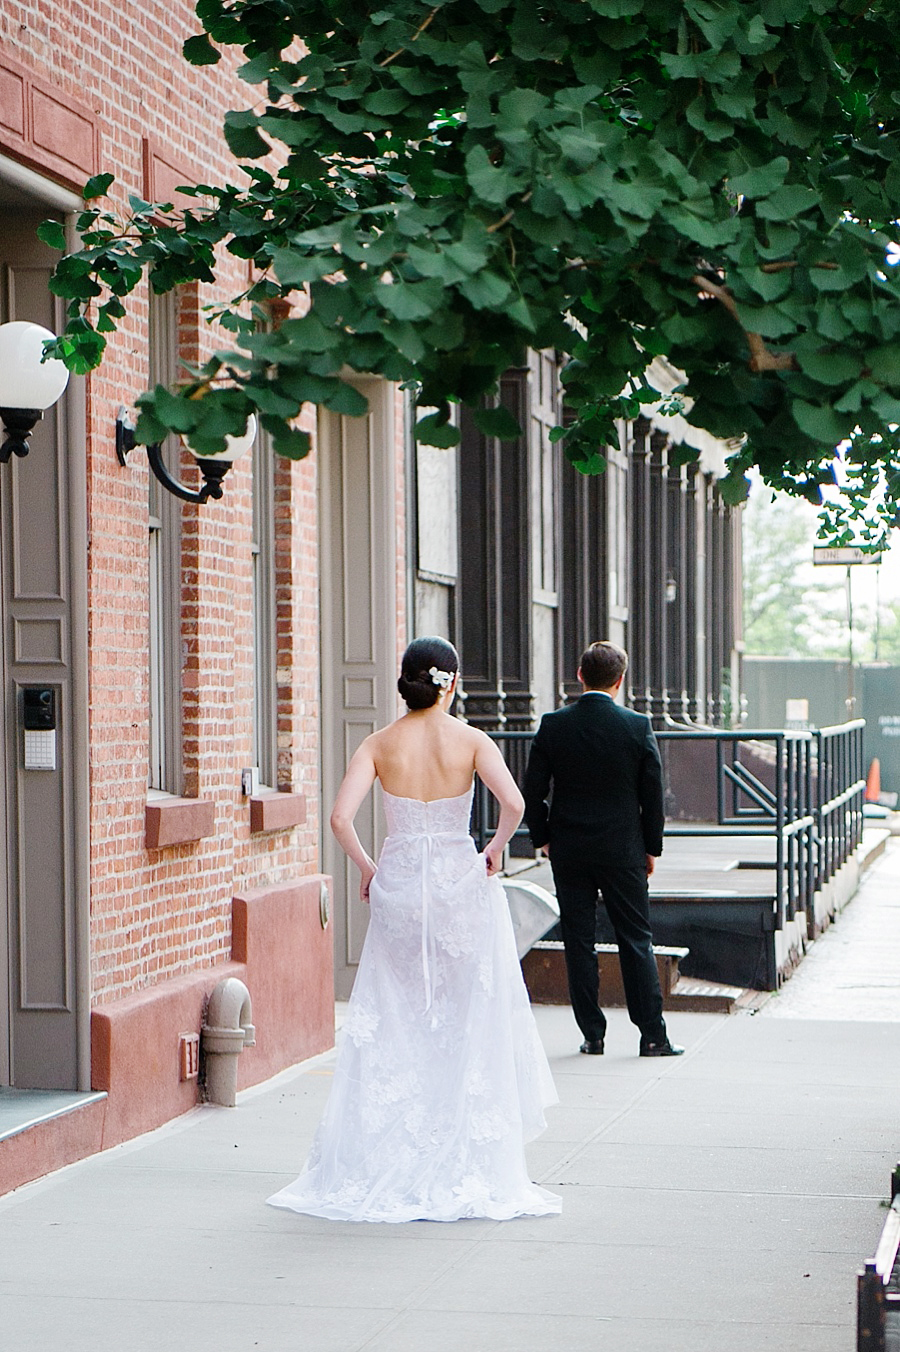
(39, 914)
(358, 626)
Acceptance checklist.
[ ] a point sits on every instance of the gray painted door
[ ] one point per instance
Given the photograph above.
(358, 553)
(38, 1030)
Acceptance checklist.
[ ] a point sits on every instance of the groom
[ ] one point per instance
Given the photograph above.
(603, 833)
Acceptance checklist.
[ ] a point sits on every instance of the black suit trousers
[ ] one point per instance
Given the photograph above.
(623, 888)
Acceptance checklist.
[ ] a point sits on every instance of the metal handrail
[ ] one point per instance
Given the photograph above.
(814, 811)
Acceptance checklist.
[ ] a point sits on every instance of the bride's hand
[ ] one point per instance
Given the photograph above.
(366, 876)
(493, 859)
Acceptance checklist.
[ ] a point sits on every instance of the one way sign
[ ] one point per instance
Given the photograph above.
(845, 554)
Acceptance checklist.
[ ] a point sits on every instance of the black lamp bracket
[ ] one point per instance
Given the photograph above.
(19, 424)
(213, 471)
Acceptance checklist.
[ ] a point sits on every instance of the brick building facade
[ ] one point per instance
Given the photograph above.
(188, 643)
(162, 876)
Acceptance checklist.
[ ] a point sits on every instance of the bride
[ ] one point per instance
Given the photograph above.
(441, 1077)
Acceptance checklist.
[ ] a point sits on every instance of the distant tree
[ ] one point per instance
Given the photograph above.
(791, 609)
(883, 636)
(776, 554)
(456, 180)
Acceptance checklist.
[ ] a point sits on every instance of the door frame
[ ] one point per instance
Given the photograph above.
(383, 561)
(46, 193)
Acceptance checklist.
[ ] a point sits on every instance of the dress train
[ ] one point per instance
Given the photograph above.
(441, 1076)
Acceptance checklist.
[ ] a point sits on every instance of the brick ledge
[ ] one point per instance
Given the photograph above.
(277, 811)
(178, 821)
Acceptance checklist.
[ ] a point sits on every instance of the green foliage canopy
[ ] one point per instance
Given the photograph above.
(713, 180)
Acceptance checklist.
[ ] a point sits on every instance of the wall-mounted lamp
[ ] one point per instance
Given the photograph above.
(212, 467)
(28, 385)
(671, 589)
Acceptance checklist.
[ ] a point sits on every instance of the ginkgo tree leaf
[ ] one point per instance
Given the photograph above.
(447, 184)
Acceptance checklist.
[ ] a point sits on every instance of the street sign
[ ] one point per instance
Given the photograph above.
(846, 555)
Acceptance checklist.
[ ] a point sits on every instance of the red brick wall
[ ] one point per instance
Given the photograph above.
(162, 913)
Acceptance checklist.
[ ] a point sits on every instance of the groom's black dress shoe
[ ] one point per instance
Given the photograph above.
(592, 1046)
(666, 1048)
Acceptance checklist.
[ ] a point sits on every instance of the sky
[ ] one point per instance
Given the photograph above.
(821, 621)
(868, 580)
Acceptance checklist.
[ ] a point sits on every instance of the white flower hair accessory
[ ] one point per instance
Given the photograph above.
(442, 678)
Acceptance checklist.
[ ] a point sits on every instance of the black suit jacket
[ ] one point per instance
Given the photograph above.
(603, 764)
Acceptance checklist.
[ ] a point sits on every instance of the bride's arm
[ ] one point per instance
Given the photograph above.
(492, 769)
(356, 784)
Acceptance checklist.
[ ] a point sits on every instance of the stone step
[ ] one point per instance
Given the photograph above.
(703, 997)
(43, 1130)
(544, 969)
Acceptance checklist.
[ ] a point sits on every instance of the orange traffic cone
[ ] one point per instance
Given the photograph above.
(873, 782)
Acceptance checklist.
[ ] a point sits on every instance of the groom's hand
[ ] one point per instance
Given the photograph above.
(651, 864)
(545, 851)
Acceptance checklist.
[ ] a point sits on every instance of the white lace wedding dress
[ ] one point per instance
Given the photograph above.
(441, 1076)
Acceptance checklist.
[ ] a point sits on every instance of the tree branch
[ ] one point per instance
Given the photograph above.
(400, 50)
(783, 267)
(492, 229)
(761, 359)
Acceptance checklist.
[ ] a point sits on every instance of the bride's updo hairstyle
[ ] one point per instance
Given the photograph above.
(426, 665)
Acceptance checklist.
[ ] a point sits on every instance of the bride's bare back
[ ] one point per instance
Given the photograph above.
(426, 755)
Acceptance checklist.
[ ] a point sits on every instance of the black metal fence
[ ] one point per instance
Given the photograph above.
(803, 790)
(842, 788)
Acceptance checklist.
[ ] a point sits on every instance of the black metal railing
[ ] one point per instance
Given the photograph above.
(804, 790)
(765, 786)
(841, 793)
(515, 747)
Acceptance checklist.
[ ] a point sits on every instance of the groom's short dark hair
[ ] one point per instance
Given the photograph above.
(602, 665)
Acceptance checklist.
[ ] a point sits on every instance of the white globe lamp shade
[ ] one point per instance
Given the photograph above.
(25, 380)
(235, 447)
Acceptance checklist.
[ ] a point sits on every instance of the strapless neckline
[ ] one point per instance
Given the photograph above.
(427, 802)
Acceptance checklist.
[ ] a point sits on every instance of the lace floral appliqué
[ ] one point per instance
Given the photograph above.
(440, 1076)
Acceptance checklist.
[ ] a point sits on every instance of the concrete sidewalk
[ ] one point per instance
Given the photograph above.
(852, 971)
(721, 1200)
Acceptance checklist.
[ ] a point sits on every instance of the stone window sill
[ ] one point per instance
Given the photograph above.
(271, 810)
(177, 821)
